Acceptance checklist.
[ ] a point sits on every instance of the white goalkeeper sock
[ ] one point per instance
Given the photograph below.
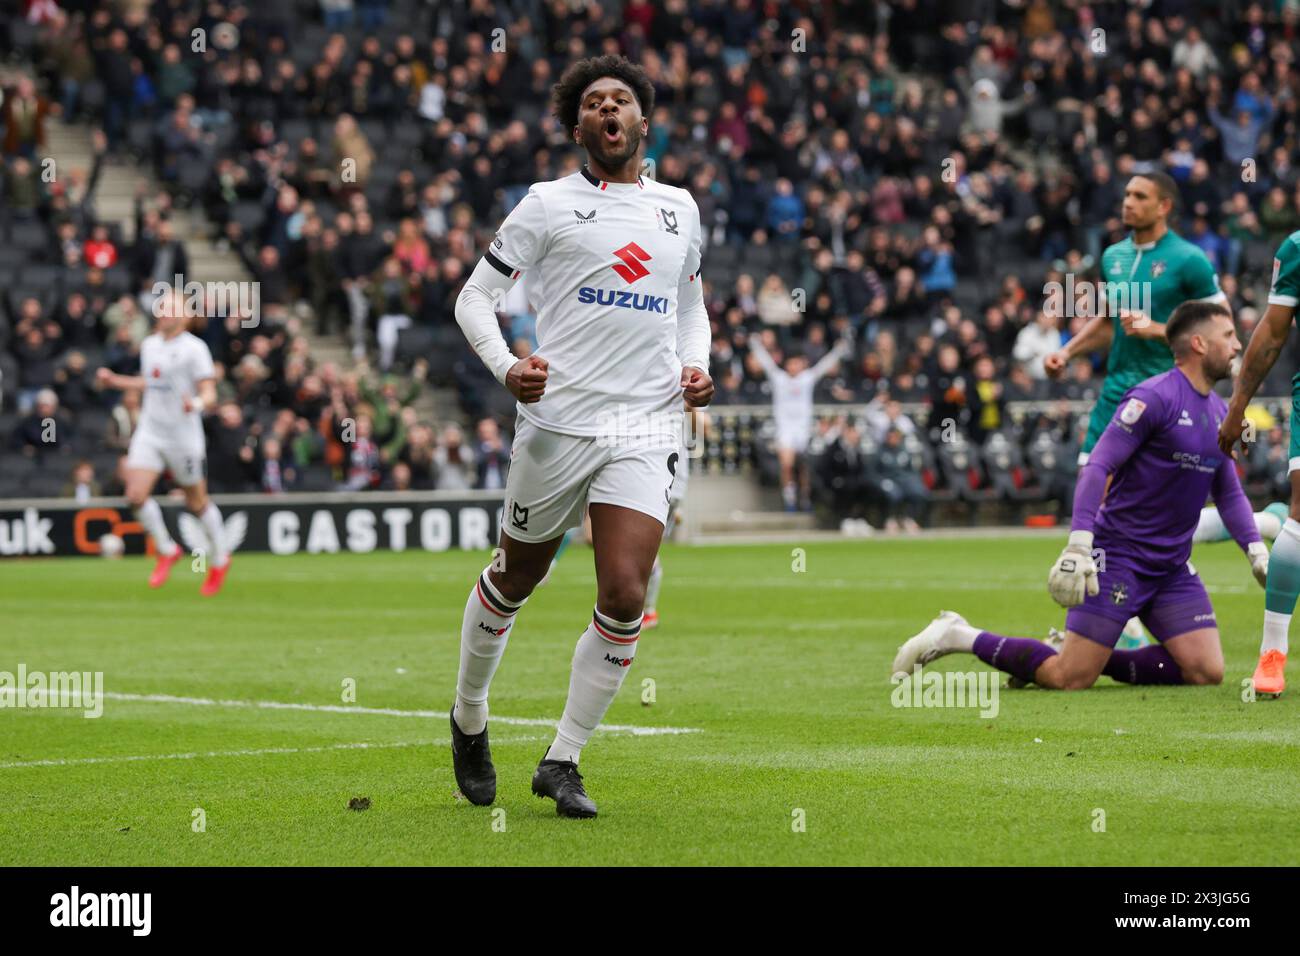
(960, 637)
(211, 520)
(483, 634)
(600, 663)
(1268, 525)
(652, 586)
(1276, 626)
(151, 519)
(1210, 527)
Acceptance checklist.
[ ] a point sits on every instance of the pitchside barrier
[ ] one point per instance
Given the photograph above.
(736, 438)
(279, 524)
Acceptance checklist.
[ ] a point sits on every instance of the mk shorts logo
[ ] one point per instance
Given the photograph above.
(519, 516)
(632, 256)
(585, 217)
(620, 661)
(494, 631)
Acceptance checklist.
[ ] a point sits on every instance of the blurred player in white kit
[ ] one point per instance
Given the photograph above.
(178, 383)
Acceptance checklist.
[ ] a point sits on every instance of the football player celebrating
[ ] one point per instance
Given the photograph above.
(623, 340)
(1284, 569)
(1155, 465)
(792, 411)
(179, 384)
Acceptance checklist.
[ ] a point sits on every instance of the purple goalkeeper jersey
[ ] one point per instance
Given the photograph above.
(1162, 452)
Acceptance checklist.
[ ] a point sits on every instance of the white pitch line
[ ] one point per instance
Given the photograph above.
(635, 730)
(74, 761)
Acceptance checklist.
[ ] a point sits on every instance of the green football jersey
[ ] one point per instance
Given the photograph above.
(1285, 289)
(1154, 278)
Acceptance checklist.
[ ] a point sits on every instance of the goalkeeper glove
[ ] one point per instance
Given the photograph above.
(1074, 574)
(1257, 552)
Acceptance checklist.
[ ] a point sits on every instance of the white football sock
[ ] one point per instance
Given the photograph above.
(151, 519)
(211, 519)
(483, 634)
(1268, 525)
(600, 663)
(1210, 527)
(960, 637)
(790, 495)
(652, 586)
(1276, 626)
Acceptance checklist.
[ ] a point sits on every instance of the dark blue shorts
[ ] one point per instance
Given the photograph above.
(1169, 603)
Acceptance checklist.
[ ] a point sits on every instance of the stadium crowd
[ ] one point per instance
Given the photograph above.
(914, 189)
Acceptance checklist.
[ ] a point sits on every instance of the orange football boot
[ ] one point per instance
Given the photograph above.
(216, 577)
(1269, 675)
(163, 568)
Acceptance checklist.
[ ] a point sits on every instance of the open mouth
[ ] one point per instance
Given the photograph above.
(613, 131)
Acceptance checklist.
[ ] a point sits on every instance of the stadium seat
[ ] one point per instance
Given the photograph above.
(31, 238)
(140, 138)
(1006, 470)
(316, 478)
(249, 215)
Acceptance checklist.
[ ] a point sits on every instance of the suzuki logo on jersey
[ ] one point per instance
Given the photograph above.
(620, 661)
(632, 256)
(623, 300)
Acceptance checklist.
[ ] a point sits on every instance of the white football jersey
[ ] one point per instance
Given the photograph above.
(792, 395)
(172, 369)
(605, 262)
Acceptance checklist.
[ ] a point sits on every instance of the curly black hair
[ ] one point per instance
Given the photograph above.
(580, 75)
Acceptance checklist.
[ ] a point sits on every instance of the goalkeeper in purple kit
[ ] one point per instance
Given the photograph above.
(1136, 507)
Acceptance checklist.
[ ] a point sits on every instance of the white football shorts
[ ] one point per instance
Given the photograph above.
(186, 460)
(553, 477)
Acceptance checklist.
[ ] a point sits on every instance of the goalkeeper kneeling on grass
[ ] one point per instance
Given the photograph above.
(1136, 506)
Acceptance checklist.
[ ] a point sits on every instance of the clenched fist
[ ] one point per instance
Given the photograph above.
(527, 379)
(698, 387)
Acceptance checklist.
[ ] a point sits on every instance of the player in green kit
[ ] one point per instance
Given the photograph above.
(1261, 354)
(1147, 274)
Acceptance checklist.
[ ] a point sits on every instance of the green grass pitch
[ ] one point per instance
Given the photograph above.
(784, 674)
